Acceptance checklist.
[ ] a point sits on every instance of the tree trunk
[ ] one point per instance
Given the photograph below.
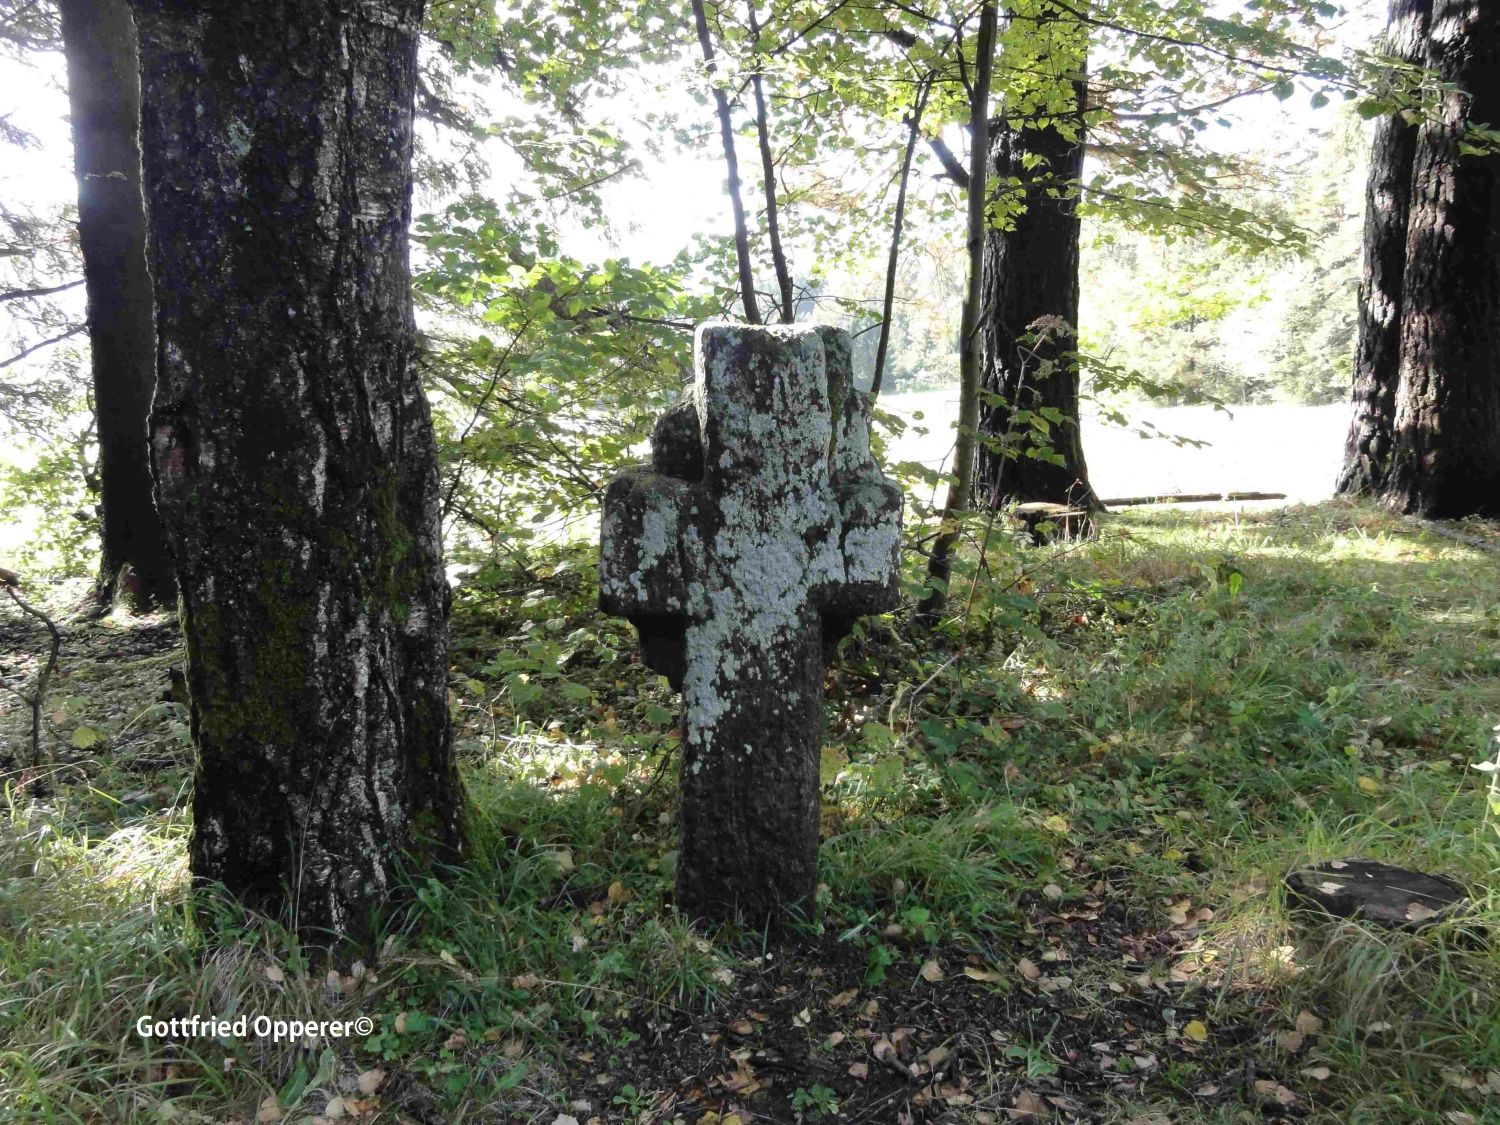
(1445, 461)
(960, 492)
(294, 456)
(104, 101)
(1031, 275)
(732, 164)
(1377, 357)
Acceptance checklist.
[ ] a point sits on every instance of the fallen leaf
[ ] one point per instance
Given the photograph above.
(844, 998)
(1419, 912)
(334, 1108)
(1052, 891)
(1197, 1031)
(859, 1070)
(973, 972)
(741, 1027)
(1289, 1041)
(1318, 1073)
(370, 1081)
(619, 894)
(274, 974)
(1027, 1105)
(1307, 1023)
(931, 972)
(1275, 1091)
(525, 982)
(1207, 1090)
(1028, 969)
(270, 1110)
(1369, 786)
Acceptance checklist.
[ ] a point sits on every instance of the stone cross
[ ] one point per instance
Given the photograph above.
(760, 531)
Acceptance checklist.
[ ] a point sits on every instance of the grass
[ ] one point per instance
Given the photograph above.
(1139, 737)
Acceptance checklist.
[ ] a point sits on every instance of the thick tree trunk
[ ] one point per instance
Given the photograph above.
(1031, 275)
(1377, 358)
(293, 448)
(1445, 461)
(104, 101)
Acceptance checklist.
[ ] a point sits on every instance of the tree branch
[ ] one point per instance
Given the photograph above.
(18, 294)
(24, 352)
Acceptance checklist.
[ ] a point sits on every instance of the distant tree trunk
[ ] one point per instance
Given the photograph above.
(1445, 461)
(104, 101)
(960, 493)
(786, 308)
(732, 164)
(294, 456)
(898, 221)
(1031, 275)
(1377, 357)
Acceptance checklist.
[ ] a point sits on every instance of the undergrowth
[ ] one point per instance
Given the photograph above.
(1159, 724)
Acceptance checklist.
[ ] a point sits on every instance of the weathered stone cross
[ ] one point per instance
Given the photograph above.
(761, 530)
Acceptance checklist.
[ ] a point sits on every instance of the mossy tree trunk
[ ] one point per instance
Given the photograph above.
(1445, 457)
(1030, 445)
(104, 102)
(1377, 357)
(293, 449)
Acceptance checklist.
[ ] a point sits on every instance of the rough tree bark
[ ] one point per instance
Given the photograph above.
(1445, 458)
(1377, 357)
(1031, 274)
(295, 463)
(104, 102)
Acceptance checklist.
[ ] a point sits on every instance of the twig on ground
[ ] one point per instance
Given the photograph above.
(39, 692)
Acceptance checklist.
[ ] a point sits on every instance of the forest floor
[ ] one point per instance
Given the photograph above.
(1054, 844)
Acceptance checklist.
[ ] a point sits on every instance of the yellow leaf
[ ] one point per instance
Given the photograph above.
(1057, 824)
(1369, 785)
(973, 972)
(619, 893)
(1196, 1031)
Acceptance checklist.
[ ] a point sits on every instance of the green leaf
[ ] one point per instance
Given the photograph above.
(84, 737)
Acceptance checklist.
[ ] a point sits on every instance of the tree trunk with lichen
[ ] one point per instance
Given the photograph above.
(1377, 356)
(295, 463)
(104, 103)
(1445, 455)
(1030, 447)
